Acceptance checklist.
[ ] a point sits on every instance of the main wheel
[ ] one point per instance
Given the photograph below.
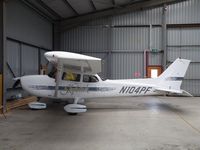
(72, 114)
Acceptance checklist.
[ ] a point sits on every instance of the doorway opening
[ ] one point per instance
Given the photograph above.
(154, 71)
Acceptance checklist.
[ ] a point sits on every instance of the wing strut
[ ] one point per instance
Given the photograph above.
(58, 77)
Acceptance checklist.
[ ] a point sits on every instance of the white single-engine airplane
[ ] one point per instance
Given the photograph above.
(76, 77)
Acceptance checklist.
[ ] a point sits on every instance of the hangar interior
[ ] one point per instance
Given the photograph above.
(131, 37)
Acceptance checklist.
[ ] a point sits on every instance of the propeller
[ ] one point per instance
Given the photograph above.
(16, 79)
(17, 82)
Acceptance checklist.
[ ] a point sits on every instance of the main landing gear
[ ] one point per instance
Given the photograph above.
(75, 108)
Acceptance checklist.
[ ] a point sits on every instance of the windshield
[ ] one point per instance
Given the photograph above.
(52, 74)
(102, 77)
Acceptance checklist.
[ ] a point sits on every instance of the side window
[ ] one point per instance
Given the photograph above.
(90, 78)
(69, 76)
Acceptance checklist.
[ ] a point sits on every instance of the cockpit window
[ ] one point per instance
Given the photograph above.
(90, 78)
(69, 76)
(53, 72)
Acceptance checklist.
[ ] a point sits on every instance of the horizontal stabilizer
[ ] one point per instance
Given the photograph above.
(182, 92)
(169, 90)
(187, 93)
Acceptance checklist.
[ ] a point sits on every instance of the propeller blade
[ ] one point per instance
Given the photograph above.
(9, 67)
(17, 82)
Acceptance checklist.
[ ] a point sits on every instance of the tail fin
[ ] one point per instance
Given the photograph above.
(172, 77)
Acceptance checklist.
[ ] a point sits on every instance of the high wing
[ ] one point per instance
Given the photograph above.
(75, 62)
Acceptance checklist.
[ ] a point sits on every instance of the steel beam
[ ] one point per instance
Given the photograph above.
(68, 4)
(109, 54)
(183, 46)
(29, 44)
(1, 35)
(93, 5)
(191, 25)
(68, 23)
(2, 54)
(113, 3)
(56, 37)
(20, 59)
(164, 36)
(37, 10)
(39, 60)
(49, 9)
(112, 51)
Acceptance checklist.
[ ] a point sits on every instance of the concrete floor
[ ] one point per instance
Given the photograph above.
(146, 123)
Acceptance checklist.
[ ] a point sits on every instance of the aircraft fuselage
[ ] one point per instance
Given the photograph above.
(44, 86)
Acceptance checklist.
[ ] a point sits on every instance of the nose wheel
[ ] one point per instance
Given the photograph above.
(75, 108)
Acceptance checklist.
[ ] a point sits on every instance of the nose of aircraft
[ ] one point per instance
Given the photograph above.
(29, 83)
(26, 82)
(37, 84)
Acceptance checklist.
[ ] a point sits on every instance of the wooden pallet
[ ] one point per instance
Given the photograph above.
(20, 102)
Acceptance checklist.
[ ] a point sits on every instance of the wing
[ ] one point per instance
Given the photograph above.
(75, 62)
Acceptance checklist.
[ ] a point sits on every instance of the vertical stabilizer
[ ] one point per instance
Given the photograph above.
(172, 77)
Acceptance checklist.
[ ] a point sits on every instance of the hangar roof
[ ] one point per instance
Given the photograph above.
(72, 12)
(63, 9)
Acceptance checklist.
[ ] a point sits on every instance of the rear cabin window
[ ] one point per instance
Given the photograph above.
(90, 78)
(69, 76)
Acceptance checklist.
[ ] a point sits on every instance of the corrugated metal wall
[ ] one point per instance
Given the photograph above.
(23, 60)
(152, 16)
(127, 36)
(13, 60)
(123, 39)
(125, 65)
(28, 36)
(185, 43)
(82, 37)
(29, 67)
(184, 12)
(24, 24)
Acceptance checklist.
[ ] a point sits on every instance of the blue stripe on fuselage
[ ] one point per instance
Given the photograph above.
(44, 87)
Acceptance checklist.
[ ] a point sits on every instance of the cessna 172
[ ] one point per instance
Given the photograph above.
(76, 77)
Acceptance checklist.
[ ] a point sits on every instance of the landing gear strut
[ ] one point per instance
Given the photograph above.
(75, 108)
